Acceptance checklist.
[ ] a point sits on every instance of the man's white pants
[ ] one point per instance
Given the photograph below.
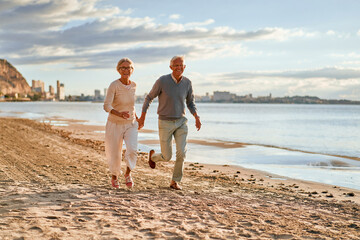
(115, 134)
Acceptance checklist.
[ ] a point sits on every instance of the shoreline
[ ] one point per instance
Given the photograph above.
(74, 125)
(56, 185)
(349, 155)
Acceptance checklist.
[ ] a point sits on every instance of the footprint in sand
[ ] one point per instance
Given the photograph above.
(271, 222)
(282, 236)
(82, 219)
(192, 234)
(36, 228)
(63, 228)
(148, 232)
(87, 213)
(247, 224)
(168, 234)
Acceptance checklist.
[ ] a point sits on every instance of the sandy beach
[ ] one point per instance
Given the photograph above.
(54, 184)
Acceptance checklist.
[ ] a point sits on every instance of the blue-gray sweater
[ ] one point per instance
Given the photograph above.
(172, 97)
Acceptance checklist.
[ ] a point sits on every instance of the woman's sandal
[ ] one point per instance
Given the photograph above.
(115, 183)
(128, 181)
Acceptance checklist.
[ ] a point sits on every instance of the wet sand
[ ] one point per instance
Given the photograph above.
(54, 184)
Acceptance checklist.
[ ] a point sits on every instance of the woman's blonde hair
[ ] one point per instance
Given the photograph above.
(125, 60)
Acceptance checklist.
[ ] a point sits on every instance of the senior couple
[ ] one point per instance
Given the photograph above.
(173, 91)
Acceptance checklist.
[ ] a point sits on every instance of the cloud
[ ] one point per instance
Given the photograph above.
(338, 34)
(174, 16)
(197, 24)
(74, 31)
(106, 59)
(330, 33)
(329, 73)
(44, 15)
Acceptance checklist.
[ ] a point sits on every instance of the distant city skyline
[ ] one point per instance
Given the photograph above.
(38, 86)
(284, 47)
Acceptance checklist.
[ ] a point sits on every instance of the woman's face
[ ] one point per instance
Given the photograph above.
(125, 70)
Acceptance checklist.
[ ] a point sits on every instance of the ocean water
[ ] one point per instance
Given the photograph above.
(323, 129)
(331, 129)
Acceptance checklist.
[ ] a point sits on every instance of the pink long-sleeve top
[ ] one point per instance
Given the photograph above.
(121, 98)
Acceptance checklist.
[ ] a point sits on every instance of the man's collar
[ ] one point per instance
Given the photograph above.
(176, 81)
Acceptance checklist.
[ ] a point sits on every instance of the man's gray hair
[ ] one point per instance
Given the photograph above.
(177, 57)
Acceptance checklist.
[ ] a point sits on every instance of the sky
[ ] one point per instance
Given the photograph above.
(282, 47)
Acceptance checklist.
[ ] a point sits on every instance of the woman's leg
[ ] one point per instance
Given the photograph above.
(131, 142)
(113, 147)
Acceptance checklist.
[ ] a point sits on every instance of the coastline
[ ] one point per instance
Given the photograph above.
(291, 163)
(74, 126)
(55, 184)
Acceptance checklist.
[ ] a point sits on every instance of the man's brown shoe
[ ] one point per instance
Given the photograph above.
(152, 164)
(175, 185)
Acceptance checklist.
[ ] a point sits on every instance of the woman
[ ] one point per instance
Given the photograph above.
(121, 124)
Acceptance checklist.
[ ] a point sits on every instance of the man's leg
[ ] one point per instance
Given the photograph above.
(166, 129)
(180, 135)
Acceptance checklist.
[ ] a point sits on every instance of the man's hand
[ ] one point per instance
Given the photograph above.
(197, 123)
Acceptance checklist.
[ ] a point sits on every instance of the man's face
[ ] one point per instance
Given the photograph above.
(178, 67)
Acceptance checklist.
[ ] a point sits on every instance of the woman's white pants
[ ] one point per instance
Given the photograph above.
(115, 134)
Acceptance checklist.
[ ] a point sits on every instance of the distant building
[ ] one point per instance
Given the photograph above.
(97, 95)
(60, 91)
(222, 96)
(51, 90)
(38, 86)
(205, 98)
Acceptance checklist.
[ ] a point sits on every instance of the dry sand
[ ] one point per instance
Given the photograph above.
(54, 184)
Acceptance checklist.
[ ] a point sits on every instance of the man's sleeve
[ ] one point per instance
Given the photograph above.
(155, 91)
(190, 100)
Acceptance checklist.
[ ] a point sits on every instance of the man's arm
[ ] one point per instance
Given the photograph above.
(155, 91)
(190, 102)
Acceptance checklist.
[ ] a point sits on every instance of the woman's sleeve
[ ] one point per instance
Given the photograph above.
(110, 94)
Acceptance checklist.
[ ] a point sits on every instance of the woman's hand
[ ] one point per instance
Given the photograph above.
(124, 115)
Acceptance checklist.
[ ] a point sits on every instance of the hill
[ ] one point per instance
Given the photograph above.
(11, 81)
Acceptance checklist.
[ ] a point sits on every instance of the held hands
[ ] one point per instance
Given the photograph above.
(141, 121)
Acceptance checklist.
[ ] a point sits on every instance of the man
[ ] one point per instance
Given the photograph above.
(173, 91)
